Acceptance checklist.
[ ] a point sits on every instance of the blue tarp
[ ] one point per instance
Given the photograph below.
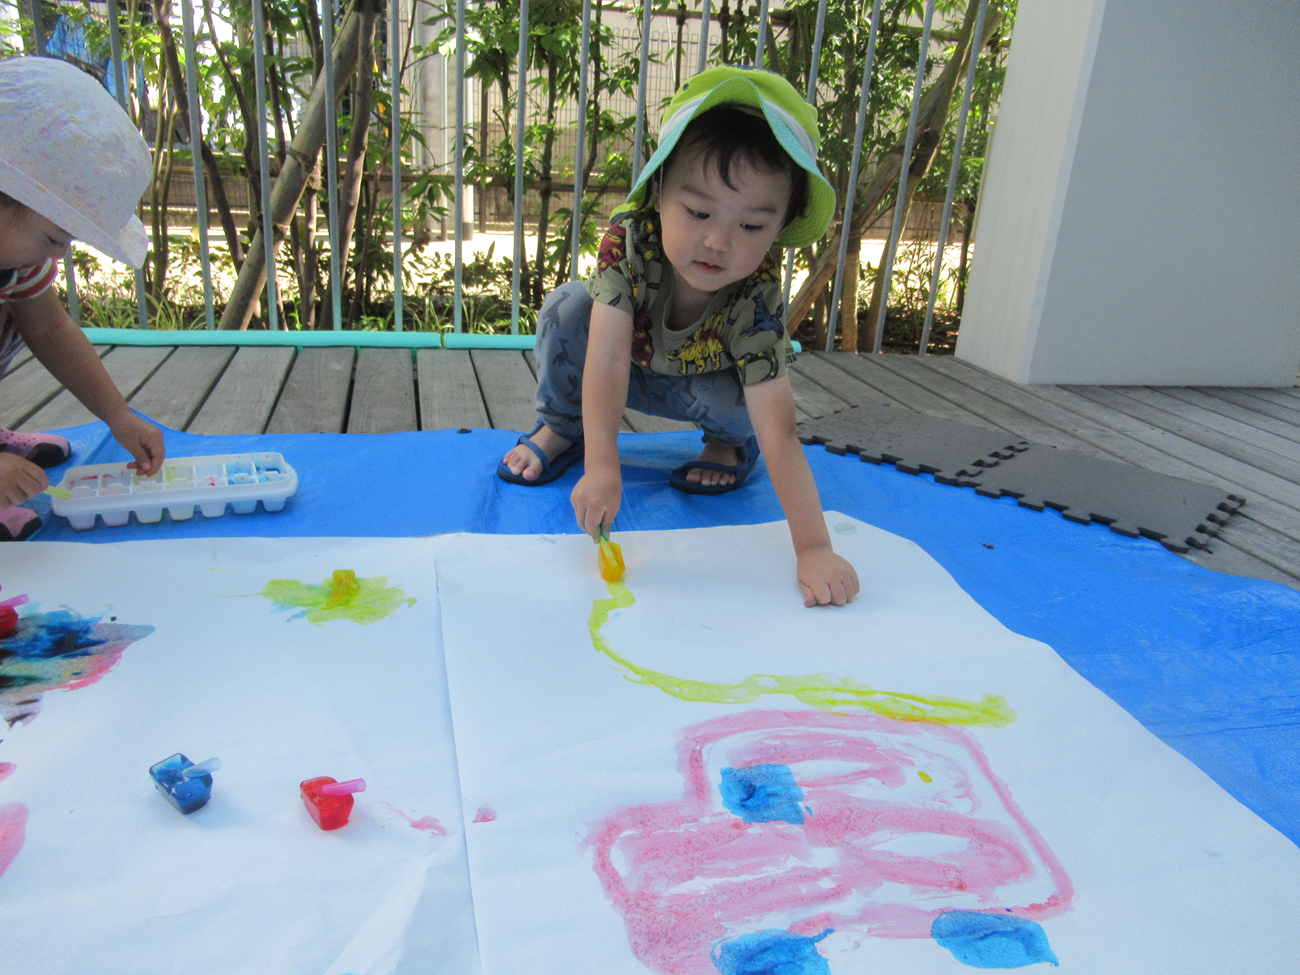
(1208, 662)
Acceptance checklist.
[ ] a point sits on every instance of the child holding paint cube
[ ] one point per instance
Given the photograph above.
(72, 167)
(684, 315)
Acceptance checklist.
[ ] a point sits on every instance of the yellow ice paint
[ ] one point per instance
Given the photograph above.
(341, 597)
(822, 691)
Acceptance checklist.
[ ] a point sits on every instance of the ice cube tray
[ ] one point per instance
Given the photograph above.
(114, 491)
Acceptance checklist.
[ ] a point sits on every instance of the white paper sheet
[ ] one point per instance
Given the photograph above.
(112, 879)
(1128, 858)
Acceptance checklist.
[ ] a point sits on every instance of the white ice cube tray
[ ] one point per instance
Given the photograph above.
(113, 491)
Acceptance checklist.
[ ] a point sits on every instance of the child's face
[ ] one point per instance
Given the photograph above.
(27, 238)
(714, 235)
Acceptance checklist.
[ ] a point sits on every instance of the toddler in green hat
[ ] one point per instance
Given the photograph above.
(684, 316)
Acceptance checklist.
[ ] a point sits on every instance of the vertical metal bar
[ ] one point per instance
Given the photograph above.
(853, 174)
(762, 34)
(953, 173)
(70, 280)
(904, 168)
(704, 35)
(38, 26)
(639, 138)
(522, 96)
(268, 231)
(332, 161)
(141, 295)
(810, 96)
(576, 238)
(119, 79)
(395, 123)
(460, 158)
(196, 156)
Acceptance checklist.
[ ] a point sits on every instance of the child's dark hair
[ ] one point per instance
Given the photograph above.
(723, 133)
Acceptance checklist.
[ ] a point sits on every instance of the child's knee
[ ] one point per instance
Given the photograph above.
(567, 307)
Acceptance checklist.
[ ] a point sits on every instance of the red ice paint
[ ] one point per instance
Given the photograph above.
(330, 810)
(8, 622)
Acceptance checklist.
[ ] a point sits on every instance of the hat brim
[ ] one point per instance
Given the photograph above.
(809, 226)
(128, 245)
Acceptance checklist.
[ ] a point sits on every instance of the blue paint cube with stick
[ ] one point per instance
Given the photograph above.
(185, 785)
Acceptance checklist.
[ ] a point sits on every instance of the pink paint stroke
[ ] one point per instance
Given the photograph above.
(485, 814)
(881, 851)
(6, 770)
(13, 831)
(427, 824)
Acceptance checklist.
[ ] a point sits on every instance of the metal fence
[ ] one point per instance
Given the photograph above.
(697, 47)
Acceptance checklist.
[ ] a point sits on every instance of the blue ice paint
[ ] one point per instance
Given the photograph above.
(762, 793)
(186, 794)
(770, 953)
(988, 940)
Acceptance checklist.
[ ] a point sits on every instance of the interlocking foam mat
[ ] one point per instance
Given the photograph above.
(1209, 662)
(1178, 513)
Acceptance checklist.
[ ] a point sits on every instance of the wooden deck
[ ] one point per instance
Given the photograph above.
(1246, 441)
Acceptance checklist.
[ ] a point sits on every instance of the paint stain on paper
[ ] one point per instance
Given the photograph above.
(6, 770)
(341, 597)
(485, 814)
(13, 830)
(879, 852)
(984, 939)
(762, 793)
(771, 953)
(822, 691)
(426, 824)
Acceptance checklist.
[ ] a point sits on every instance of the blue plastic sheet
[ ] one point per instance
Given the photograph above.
(1208, 662)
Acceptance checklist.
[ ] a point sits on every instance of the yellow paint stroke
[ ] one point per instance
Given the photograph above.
(341, 597)
(822, 691)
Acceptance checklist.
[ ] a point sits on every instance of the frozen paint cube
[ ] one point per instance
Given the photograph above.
(186, 794)
(329, 812)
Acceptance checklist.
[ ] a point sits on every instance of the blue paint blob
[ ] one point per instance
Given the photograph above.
(770, 953)
(985, 940)
(762, 794)
(185, 794)
(53, 636)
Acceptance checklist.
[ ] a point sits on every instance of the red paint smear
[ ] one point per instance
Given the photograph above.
(485, 814)
(6, 770)
(429, 825)
(690, 873)
(96, 668)
(13, 830)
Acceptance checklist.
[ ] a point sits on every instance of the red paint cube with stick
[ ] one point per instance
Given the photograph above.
(329, 801)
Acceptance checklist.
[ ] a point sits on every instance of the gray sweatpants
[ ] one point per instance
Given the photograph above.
(713, 400)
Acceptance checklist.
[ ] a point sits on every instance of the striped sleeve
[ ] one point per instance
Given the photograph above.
(28, 282)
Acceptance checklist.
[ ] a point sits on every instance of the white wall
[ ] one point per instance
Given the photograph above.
(1140, 219)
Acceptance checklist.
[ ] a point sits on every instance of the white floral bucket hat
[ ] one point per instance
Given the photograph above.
(69, 152)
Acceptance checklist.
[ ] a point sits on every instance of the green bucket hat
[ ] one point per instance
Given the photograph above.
(792, 120)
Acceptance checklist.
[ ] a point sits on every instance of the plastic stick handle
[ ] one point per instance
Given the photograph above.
(203, 768)
(16, 601)
(344, 788)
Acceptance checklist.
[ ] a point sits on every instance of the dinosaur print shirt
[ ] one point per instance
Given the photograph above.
(743, 326)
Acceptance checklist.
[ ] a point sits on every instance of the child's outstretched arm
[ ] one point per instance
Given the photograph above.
(599, 492)
(823, 576)
(63, 349)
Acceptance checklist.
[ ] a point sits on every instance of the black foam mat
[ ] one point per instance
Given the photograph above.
(1132, 501)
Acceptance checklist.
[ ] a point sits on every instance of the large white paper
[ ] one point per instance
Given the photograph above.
(112, 879)
(601, 840)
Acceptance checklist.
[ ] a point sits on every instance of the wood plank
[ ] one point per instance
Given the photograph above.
(27, 387)
(508, 387)
(383, 392)
(839, 382)
(1244, 399)
(1136, 405)
(1287, 431)
(1246, 533)
(1229, 559)
(992, 409)
(1208, 460)
(176, 391)
(1213, 418)
(814, 399)
(127, 366)
(449, 393)
(1282, 397)
(246, 394)
(902, 391)
(315, 396)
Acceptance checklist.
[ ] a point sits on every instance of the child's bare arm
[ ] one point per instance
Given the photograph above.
(823, 576)
(599, 492)
(62, 348)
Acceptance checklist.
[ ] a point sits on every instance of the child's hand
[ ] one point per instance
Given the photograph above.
(597, 497)
(143, 440)
(826, 578)
(19, 479)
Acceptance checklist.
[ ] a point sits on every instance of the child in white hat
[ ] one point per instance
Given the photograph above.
(684, 317)
(72, 167)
